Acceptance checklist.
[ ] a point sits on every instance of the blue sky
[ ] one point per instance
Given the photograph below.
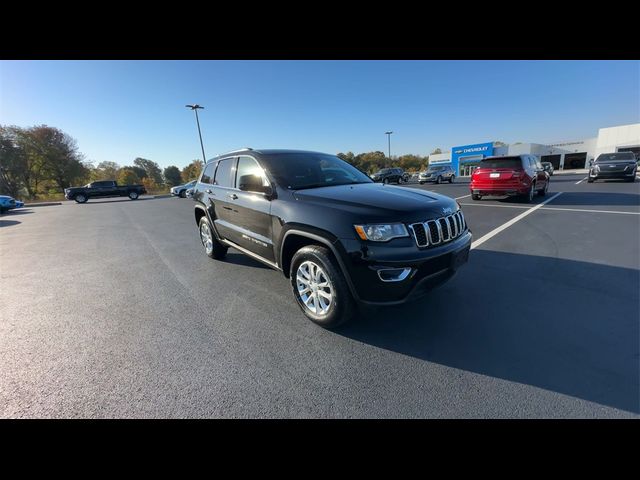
(120, 110)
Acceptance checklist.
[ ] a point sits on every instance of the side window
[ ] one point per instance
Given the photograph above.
(247, 166)
(207, 175)
(538, 163)
(224, 173)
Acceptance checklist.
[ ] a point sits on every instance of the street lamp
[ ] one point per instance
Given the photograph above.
(195, 108)
(388, 134)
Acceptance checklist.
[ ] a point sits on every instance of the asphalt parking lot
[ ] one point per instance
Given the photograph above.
(111, 309)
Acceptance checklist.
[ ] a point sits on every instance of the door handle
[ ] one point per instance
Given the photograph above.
(233, 196)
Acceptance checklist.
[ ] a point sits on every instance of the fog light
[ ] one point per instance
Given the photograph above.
(393, 274)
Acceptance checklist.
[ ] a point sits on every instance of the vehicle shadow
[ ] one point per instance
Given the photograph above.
(21, 211)
(8, 223)
(504, 315)
(114, 200)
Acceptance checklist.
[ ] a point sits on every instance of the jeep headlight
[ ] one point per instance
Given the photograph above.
(381, 232)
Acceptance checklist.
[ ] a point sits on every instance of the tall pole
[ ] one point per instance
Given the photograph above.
(389, 138)
(195, 109)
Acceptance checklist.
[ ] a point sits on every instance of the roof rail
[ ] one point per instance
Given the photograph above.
(238, 150)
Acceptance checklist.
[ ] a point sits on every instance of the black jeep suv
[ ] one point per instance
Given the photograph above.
(388, 175)
(341, 238)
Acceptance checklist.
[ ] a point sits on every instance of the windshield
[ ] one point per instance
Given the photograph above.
(383, 171)
(616, 157)
(506, 162)
(311, 170)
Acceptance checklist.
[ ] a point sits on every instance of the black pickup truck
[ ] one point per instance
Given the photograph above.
(105, 188)
(340, 238)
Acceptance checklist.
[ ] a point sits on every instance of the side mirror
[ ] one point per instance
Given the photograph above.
(253, 183)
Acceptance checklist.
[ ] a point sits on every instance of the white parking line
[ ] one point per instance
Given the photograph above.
(580, 181)
(496, 231)
(465, 196)
(549, 208)
(590, 211)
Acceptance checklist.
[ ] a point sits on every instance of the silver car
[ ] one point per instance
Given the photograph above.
(181, 190)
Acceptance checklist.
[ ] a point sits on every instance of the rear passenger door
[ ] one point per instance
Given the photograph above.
(220, 197)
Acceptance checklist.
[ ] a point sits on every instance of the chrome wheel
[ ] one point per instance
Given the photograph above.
(314, 288)
(80, 198)
(133, 195)
(206, 238)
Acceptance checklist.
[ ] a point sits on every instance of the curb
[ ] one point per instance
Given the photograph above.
(168, 195)
(42, 204)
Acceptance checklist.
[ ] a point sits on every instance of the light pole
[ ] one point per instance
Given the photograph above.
(195, 108)
(388, 134)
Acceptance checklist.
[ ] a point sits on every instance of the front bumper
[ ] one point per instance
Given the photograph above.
(429, 268)
(605, 174)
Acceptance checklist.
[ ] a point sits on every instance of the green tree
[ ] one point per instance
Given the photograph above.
(105, 171)
(437, 151)
(498, 143)
(151, 168)
(192, 171)
(12, 162)
(172, 176)
(127, 176)
(58, 155)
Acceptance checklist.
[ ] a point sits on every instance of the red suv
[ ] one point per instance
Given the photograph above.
(520, 175)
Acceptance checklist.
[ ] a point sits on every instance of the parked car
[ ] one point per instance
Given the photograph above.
(548, 167)
(104, 188)
(339, 237)
(389, 175)
(181, 190)
(9, 203)
(614, 165)
(437, 174)
(520, 175)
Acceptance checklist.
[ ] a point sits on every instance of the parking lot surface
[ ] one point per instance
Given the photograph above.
(111, 309)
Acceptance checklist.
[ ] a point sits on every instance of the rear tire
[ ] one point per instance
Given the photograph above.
(451, 178)
(133, 195)
(476, 197)
(543, 191)
(439, 180)
(212, 247)
(528, 197)
(421, 183)
(590, 180)
(341, 306)
(385, 181)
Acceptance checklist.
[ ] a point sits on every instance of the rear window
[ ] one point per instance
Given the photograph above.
(506, 162)
(616, 157)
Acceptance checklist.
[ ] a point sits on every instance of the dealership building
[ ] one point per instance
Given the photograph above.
(563, 155)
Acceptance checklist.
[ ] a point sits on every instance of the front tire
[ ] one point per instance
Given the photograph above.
(476, 197)
(421, 183)
(590, 180)
(81, 198)
(451, 178)
(320, 288)
(183, 194)
(212, 247)
(385, 181)
(439, 180)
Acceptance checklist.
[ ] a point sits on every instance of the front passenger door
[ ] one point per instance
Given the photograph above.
(252, 210)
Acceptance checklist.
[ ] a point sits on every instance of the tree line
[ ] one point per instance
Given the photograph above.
(43, 161)
(371, 162)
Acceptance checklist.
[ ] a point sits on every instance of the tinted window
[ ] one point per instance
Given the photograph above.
(311, 170)
(615, 157)
(224, 173)
(207, 174)
(248, 166)
(532, 162)
(504, 162)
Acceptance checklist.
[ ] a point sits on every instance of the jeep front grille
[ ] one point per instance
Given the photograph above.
(439, 230)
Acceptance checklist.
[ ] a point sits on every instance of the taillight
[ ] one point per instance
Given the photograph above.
(517, 174)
